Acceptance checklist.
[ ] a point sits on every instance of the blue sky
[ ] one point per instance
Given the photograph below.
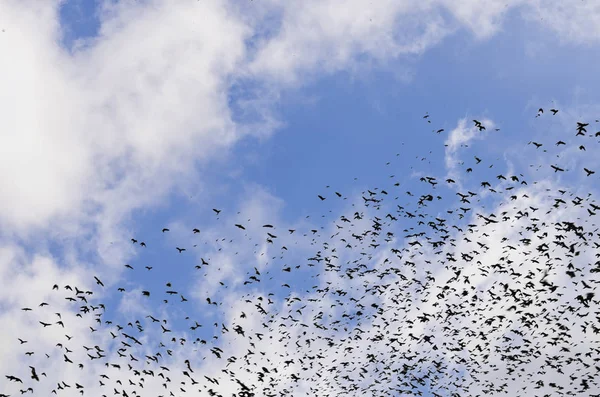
(129, 117)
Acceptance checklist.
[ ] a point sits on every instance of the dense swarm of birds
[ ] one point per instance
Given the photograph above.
(412, 298)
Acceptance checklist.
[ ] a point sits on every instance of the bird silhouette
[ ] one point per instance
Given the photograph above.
(477, 286)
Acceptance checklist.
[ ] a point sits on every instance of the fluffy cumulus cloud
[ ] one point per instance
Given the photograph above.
(89, 131)
(95, 129)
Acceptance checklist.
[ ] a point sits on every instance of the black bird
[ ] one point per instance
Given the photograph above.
(33, 374)
(479, 125)
(551, 313)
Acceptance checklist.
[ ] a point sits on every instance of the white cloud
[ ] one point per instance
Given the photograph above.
(316, 36)
(89, 132)
(95, 130)
(233, 254)
(482, 18)
(578, 23)
(458, 140)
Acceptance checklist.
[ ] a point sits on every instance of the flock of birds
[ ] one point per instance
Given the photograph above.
(411, 298)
